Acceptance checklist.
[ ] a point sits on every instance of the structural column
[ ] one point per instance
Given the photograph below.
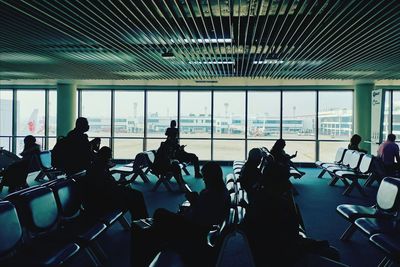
(362, 112)
(66, 108)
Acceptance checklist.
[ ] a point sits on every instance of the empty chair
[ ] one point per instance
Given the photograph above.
(352, 160)
(387, 205)
(338, 160)
(390, 245)
(46, 168)
(134, 168)
(362, 172)
(39, 214)
(385, 225)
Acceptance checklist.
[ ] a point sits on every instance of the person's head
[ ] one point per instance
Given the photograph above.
(104, 155)
(212, 176)
(29, 141)
(255, 155)
(82, 124)
(96, 143)
(391, 137)
(355, 139)
(279, 145)
(173, 124)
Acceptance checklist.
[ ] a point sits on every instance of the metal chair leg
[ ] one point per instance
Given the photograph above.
(349, 232)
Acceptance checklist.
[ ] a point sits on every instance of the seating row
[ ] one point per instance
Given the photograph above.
(141, 166)
(379, 222)
(47, 225)
(349, 166)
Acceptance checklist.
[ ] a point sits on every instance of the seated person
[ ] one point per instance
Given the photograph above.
(95, 145)
(281, 157)
(388, 151)
(274, 239)
(250, 175)
(31, 153)
(172, 133)
(355, 141)
(164, 163)
(187, 233)
(179, 152)
(102, 193)
(183, 156)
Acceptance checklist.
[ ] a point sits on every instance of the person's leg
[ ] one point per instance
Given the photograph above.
(176, 170)
(192, 158)
(133, 200)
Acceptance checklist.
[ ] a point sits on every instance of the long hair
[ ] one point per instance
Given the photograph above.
(212, 172)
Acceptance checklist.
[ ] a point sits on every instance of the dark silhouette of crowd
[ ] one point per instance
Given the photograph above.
(271, 223)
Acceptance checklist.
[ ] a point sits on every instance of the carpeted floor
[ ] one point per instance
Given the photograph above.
(316, 199)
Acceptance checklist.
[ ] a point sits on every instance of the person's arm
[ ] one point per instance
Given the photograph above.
(397, 156)
(293, 156)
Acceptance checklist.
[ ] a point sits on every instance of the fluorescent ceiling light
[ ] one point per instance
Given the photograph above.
(207, 41)
(17, 74)
(268, 61)
(24, 58)
(230, 62)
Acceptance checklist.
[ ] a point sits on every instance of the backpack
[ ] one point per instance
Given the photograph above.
(59, 153)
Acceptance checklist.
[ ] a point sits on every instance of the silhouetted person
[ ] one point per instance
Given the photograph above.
(388, 151)
(280, 155)
(103, 194)
(164, 163)
(172, 133)
(187, 233)
(79, 150)
(274, 239)
(178, 151)
(355, 141)
(95, 144)
(31, 153)
(250, 175)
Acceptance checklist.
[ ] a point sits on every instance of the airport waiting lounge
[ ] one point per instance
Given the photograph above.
(199, 133)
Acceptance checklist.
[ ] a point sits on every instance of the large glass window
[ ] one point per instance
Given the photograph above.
(30, 116)
(129, 114)
(6, 111)
(396, 113)
(387, 115)
(335, 118)
(263, 119)
(229, 115)
(298, 115)
(96, 107)
(212, 124)
(162, 107)
(52, 113)
(195, 117)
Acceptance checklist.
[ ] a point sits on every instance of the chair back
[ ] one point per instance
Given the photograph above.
(340, 154)
(347, 157)
(45, 159)
(10, 230)
(39, 210)
(151, 154)
(355, 160)
(388, 195)
(68, 198)
(365, 164)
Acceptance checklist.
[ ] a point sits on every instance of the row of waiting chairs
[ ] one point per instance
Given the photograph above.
(47, 225)
(379, 222)
(349, 166)
(141, 166)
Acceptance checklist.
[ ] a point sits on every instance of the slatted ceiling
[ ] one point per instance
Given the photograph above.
(125, 39)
